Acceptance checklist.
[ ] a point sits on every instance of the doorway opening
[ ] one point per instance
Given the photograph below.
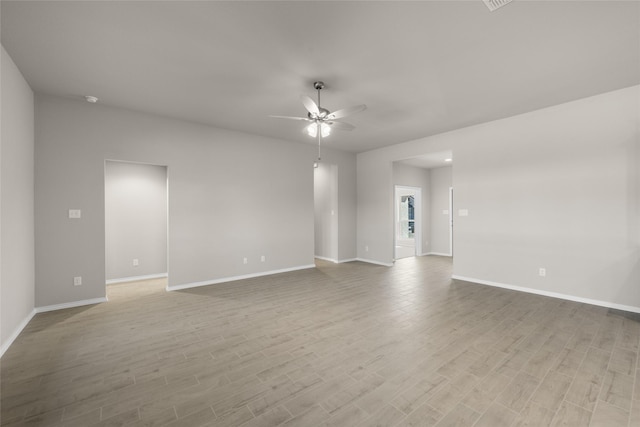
(450, 221)
(136, 222)
(325, 201)
(408, 226)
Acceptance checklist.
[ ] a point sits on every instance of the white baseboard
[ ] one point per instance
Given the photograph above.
(437, 253)
(234, 278)
(371, 261)
(137, 278)
(5, 345)
(324, 258)
(551, 294)
(71, 304)
(335, 261)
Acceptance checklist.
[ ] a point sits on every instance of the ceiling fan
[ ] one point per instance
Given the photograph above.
(321, 120)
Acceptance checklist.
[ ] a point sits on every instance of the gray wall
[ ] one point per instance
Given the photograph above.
(555, 188)
(375, 208)
(16, 202)
(441, 182)
(411, 176)
(135, 219)
(232, 195)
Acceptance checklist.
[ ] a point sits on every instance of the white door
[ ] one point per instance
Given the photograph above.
(407, 222)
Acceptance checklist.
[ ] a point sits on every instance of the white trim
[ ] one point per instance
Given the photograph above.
(234, 278)
(600, 303)
(137, 278)
(71, 304)
(437, 253)
(5, 346)
(336, 261)
(324, 258)
(450, 221)
(370, 261)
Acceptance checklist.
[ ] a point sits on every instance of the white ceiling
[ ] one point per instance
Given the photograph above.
(431, 160)
(422, 67)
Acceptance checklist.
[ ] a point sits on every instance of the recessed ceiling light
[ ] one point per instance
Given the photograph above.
(91, 99)
(448, 160)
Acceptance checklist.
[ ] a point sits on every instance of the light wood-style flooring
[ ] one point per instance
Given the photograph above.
(340, 345)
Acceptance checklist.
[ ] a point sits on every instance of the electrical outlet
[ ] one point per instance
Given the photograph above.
(136, 262)
(77, 281)
(244, 260)
(75, 213)
(542, 272)
(263, 258)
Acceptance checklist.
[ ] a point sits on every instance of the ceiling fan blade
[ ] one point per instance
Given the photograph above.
(310, 105)
(346, 112)
(291, 118)
(341, 125)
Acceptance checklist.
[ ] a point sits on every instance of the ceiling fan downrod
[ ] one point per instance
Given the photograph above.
(318, 86)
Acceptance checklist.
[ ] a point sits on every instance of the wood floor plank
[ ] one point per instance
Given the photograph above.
(586, 386)
(518, 392)
(461, 415)
(617, 389)
(551, 391)
(535, 415)
(606, 415)
(496, 416)
(386, 416)
(570, 415)
(424, 416)
(312, 416)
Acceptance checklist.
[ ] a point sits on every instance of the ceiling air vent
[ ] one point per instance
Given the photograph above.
(495, 4)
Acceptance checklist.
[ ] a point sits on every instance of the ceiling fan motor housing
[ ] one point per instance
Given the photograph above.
(323, 112)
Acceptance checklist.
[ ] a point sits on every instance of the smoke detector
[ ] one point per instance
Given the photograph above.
(496, 4)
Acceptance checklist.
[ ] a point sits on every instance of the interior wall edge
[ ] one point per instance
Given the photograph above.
(5, 345)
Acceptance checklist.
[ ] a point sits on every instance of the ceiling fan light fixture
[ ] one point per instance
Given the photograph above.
(325, 130)
(496, 4)
(312, 130)
(320, 120)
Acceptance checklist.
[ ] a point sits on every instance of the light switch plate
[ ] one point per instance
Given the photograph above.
(75, 213)
(463, 212)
